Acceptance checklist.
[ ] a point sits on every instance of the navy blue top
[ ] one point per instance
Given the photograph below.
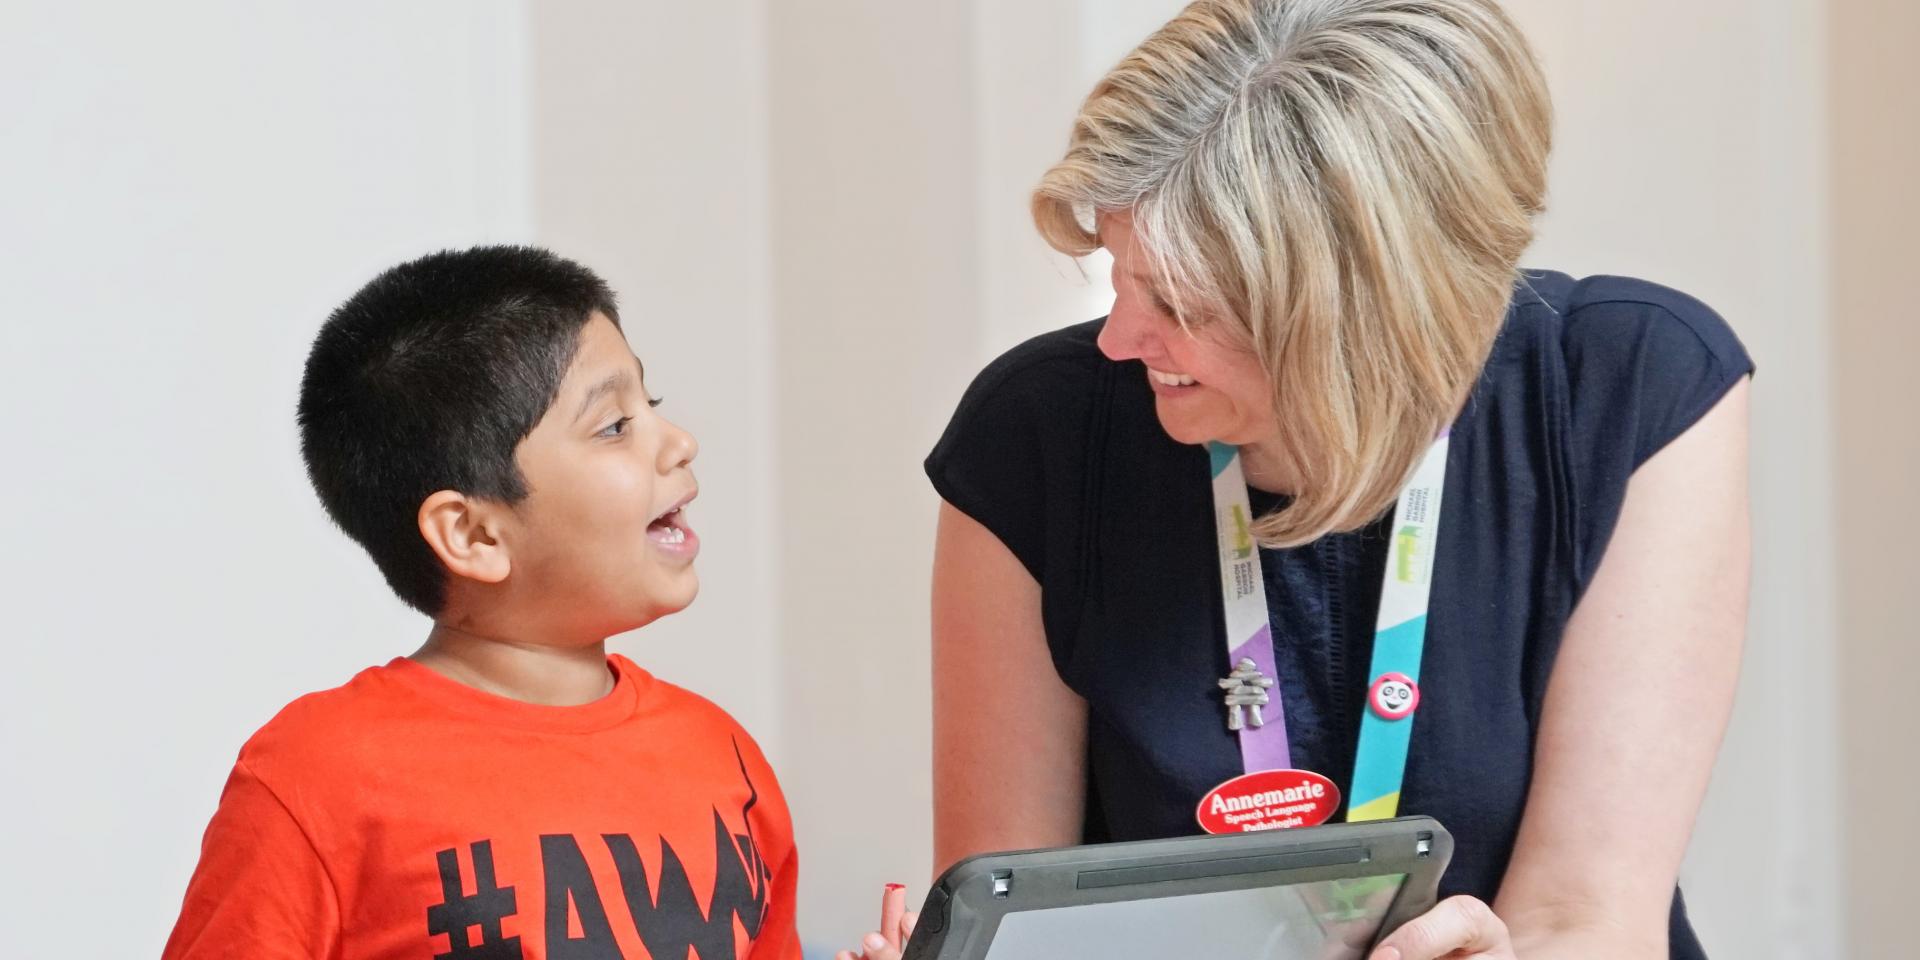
(1057, 451)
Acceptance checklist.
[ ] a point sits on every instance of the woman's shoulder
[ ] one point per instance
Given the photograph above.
(1016, 447)
(1605, 325)
(1032, 399)
(1058, 361)
(1602, 373)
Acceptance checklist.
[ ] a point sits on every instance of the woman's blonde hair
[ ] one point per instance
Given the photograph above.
(1349, 184)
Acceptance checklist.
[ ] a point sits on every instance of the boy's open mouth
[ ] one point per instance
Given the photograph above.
(670, 529)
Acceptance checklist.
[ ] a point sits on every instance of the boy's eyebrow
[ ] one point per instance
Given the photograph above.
(614, 383)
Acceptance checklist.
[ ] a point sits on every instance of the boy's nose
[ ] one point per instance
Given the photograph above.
(679, 448)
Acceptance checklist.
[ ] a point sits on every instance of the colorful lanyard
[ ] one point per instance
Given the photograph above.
(1252, 692)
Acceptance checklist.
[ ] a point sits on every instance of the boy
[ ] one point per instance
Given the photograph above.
(477, 422)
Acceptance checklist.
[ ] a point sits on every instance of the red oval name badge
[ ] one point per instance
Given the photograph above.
(1268, 800)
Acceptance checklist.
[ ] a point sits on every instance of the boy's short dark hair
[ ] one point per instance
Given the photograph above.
(427, 380)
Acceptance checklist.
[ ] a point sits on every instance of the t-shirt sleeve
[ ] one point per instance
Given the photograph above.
(1644, 364)
(778, 936)
(779, 939)
(260, 889)
(1017, 440)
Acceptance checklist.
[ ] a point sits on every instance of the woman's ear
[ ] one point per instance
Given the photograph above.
(465, 534)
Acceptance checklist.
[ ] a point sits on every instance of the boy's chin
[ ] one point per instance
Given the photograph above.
(670, 598)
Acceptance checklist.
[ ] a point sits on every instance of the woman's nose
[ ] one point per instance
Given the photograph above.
(1124, 336)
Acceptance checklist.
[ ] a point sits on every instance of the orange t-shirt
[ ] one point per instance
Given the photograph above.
(407, 815)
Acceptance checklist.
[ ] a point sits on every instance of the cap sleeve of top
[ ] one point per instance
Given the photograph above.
(1644, 363)
(1013, 457)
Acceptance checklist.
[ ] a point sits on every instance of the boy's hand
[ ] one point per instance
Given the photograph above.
(896, 925)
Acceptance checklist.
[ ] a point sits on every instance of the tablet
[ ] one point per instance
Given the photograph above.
(1317, 893)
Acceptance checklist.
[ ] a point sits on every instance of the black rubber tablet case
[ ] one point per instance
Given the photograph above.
(965, 908)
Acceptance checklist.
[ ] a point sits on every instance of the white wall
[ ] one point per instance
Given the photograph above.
(816, 214)
(875, 299)
(1875, 150)
(185, 191)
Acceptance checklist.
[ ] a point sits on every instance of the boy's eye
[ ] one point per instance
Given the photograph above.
(656, 401)
(616, 428)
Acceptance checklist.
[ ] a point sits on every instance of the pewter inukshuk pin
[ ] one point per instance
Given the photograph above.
(1246, 689)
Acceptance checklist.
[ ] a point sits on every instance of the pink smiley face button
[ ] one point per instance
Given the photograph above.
(1394, 696)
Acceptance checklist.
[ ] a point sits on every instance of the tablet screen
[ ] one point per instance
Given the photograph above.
(1325, 920)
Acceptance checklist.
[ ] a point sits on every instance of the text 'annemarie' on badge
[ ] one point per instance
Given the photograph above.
(1268, 800)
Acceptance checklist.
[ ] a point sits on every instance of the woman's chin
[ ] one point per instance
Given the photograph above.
(1187, 429)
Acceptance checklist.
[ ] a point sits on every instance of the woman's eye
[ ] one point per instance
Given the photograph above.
(616, 428)
(656, 401)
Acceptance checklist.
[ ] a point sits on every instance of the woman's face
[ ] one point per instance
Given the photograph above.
(1206, 385)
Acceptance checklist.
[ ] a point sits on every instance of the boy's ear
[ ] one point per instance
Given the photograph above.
(465, 534)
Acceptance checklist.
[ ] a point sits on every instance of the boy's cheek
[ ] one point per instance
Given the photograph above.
(616, 492)
(589, 505)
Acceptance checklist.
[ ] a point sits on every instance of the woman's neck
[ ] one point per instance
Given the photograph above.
(1269, 469)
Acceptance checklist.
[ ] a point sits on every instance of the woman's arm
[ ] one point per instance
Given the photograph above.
(1637, 705)
(1634, 714)
(1009, 738)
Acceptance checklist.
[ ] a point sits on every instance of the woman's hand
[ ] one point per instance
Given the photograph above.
(1459, 928)
(896, 925)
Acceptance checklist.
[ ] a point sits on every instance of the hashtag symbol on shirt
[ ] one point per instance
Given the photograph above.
(488, 905)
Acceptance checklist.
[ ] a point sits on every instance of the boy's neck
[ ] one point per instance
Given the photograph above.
(550, 676)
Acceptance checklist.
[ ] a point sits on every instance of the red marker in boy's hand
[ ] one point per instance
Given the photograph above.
(896, 925)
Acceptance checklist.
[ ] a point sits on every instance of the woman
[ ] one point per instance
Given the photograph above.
(1315, 210)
